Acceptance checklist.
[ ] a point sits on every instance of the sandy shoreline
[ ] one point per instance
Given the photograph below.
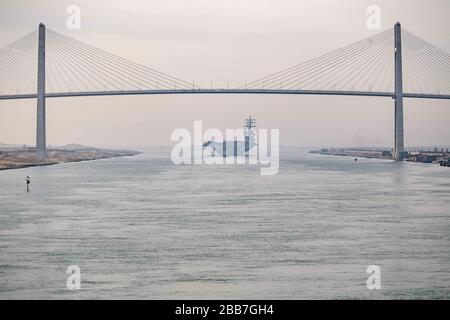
(18, 158)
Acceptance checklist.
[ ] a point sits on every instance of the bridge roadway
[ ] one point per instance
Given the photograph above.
(224, 91)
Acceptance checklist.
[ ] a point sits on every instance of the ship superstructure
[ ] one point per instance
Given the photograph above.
(237, 147)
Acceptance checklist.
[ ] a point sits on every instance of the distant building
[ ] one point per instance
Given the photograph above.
(426, 157)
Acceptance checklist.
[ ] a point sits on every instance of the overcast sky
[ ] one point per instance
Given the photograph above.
(220, 41)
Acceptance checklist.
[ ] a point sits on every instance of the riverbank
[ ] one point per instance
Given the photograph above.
(424, 156)
(355, 152)
(14, 157)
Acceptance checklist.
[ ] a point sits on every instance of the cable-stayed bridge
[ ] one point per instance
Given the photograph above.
(393, 63)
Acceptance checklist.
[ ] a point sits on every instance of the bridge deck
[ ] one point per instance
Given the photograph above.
(226, 91)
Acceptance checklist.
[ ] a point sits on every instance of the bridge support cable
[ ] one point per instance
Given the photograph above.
(368, 65)
(101, 69)
(331, 71)
(18, 63)
(427, 64)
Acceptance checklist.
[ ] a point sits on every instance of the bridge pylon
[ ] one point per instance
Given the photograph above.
(398, 113)
(41, 148)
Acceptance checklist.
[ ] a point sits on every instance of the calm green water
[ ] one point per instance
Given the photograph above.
(141, 227)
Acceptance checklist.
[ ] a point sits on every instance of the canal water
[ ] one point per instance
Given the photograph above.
(142, 227)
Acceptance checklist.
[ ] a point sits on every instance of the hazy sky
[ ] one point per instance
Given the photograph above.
(220, 41)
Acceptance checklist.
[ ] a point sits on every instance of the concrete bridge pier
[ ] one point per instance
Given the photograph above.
(41, 149)
(398, 124)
